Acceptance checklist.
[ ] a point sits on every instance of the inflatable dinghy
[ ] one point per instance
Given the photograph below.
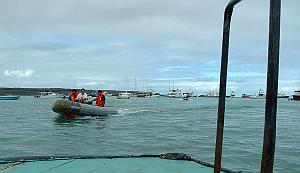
(74, 109)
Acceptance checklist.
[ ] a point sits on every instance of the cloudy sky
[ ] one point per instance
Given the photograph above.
(95, 43)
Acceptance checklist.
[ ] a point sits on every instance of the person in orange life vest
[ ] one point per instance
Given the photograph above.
(100, 100)
(73, 95)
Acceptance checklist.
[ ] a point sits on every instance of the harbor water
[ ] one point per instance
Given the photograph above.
(29, 127)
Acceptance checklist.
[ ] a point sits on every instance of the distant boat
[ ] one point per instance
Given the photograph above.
(152, 94)
(175, 94)
(47, 95)
(185, 96)
(232, 94)
(141, 95)
(212, 94)
(245, 96)
(296, 96)
(155, 95)
(261, 95)
(9, 97)
(282, 95)
(124, 95)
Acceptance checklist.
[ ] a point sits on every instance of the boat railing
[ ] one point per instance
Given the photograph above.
(272, 87)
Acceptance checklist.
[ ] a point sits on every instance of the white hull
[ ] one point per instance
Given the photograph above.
(257, 97)
(175, 96)
(153, 96)
(50, 97)
(123, 97)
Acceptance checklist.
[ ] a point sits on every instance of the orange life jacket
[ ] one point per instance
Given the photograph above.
(73, 96)
(100, 100)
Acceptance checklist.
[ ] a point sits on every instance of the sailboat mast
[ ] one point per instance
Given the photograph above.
(147, 86)
(173, 86)
(126, 83)
(135, 84)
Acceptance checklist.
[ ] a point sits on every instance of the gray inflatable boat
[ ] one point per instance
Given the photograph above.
(74, 109)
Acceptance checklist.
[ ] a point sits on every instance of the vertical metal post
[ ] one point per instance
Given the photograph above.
(272, 87)
(223, 81)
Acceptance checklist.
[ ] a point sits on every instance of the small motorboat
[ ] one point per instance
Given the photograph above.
(74, 109)
(185, 98)
(9, 97)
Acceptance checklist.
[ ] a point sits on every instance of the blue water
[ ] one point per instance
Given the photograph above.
(153, 126)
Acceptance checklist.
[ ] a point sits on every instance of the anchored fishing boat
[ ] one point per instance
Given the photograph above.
(74, 109)
(9, 97)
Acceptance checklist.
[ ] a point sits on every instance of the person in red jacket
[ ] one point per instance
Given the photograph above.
(100, 100)
(73, 95)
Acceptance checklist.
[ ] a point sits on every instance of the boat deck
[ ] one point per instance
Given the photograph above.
(111, 165)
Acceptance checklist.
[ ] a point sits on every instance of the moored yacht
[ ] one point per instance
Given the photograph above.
(174, 93)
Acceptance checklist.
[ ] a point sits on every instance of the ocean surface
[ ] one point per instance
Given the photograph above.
(28, 127)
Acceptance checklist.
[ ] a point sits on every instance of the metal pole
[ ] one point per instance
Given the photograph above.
(223, 80)
(272, 88)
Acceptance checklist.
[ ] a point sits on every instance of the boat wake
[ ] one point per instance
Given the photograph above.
(129, 112)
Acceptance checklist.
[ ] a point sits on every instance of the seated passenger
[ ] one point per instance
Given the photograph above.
(73, 95)
(100, 100)
(82, 96)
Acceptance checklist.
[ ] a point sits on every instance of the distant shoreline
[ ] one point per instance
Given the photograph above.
(36, 91)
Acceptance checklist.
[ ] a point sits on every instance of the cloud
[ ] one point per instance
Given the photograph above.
(175, 68)
(19, 73)
(93, 83)
(102, 40)
(172, 79)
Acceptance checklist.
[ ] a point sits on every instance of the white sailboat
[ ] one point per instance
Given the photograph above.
(125, 95)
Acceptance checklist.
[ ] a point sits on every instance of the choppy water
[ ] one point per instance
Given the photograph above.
(153, 126)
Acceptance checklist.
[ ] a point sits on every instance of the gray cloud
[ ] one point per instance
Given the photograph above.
(97, 41)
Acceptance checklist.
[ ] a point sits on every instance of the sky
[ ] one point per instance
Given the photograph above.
(95, 44)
